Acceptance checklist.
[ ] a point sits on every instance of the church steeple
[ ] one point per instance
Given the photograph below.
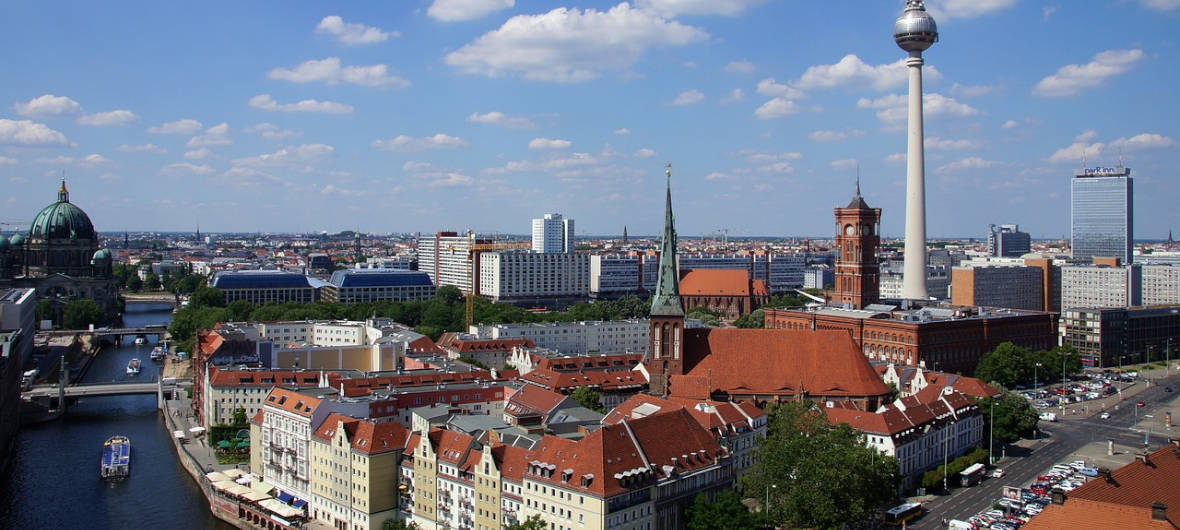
(666, 301)
(63, 195)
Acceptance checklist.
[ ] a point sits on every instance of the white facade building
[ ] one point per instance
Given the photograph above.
(443, 256)
(1161, 284)
(612, 336)
(553, 233)
(527, 275)
(613, 275)
(1098, 286)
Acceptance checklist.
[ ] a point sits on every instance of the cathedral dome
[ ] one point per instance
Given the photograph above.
(62, 220)
(101, 255)
(17, 240)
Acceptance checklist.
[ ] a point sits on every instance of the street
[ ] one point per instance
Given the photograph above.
(1057, 442)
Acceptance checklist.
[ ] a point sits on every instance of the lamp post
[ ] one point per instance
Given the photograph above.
(991, 444)
(766, 507)
(1036, 388)
(946, 436)
(1063, 384)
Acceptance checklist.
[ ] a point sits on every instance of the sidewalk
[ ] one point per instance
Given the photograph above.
(180, 418)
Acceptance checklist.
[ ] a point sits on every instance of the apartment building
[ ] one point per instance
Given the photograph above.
(1161, 284)
(616, 275)
(355, 472)
(596, 336)
(524, 276)
(351, 286)
(1107, 285)
(995, 284)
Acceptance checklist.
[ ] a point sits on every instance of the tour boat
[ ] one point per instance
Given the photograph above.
(158, 353)
(140, 340)
(133, 366)
(116, 457)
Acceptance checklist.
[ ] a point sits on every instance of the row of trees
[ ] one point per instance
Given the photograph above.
(1013, 366)
(933, 479)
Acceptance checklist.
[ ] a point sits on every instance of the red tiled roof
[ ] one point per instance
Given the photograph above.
(893, 421)
(602, 380)
(365, 436)
(785, 362)
(257, 419)
(359, 386)
(719, 417)
(218, 377)
(454, 343)
(532, 399)
(715, 282)
(619, 361)
(291, 401)
(511, 460)
(1090, 515)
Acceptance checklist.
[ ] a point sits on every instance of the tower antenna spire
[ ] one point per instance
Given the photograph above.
(858, 178)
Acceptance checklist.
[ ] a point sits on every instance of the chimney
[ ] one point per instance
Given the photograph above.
(1143, 457)
(1159, 511)
(1175, 442)
(1104, 472)
(1058, 496)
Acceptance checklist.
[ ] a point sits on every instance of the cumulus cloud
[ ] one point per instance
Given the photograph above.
(1073, 78)
(26, 133)
(94, 160)
(1010, 124)
(1080, 148)
(733, 96)
(971, 162)
(740, 67)
(834, 136)
(1143, 141)
(182, 169)
(462, 10)
(499, 118)
(842, 164)
(777, 167)
(185, 126)
(1160, 5)
(718, 176)
(671, 8)
(330, 71)
(943, 10)
(406, 143)
(688, 97)
(549, 143)
(570, 45)
(893, 108)
(895, 158)
(215, 135)
(776, 108)
(271, 131)
(288, 157)
(622, 132)
(265, 102)
(770, 87)
(762, 158)
(352, 33)
(8, 161)
(142, 148)
(197, 154)
(644, 153)
(852, 71)
(108, 118)
(946, 144)
(48, 106)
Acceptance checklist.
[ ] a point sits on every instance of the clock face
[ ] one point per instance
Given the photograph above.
(849, 230)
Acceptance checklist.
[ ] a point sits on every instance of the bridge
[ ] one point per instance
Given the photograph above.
(157, 330)
(100, 389)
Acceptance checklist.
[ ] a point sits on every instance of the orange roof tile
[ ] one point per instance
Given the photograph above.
(365, 436)
(713, 282)
(291, 401)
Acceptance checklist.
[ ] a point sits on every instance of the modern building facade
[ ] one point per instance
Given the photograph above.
(1101, 286)
(1011, 285)
(529, 276)
(1007, 241)
(1102, 214)
(1107, 337)
(445, 258)
(613, 336)
(261, 287)
(375, 285)
(1161, 284)
(616, 275)
(553, 233)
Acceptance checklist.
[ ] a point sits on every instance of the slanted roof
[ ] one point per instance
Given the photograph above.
(364, 436)
(258, 279)
(715, 282)
(379, 278)
(291, 401)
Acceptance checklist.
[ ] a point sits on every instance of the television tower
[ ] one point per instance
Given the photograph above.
(914, 32)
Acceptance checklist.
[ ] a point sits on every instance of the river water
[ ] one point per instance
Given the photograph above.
(54, 481)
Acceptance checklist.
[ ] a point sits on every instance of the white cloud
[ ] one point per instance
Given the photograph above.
(1160, 5)
(718, 176)
(1087, 135)
(48, 106)
(60, 160)
(895, 158)
(740, 67)
(946, 144)
(8, 161)
(332, 189)
(852, 71)
(548, 143)
(461, 10)
(406, 143)
(197, 154)
(1048, 11)
(450, 180)
(834, 136)
(499, 118)
(894, 107)
(622, 132)
(1077, 150)
(94, 160)
(110, 177)
(570, 45)
(288, 157)
(776, 108)
(562, 163)
(972, 90)
(943, 10)
(762, 158)
(352, 33)
(1072, 78)
(265, 102)
(734, 96)
(971, 162)
(181, 169)
(769, 87)
(1143, 141)
(27, 133)
(416, 167)
(215, 135)
(142, 148)
(688, 97)
(846, 163)
(671, 8)
(185, 126)
(1010, 124)
(271, 131)
(644, 153)
(330, 72)
(777, 167)
(111, 117)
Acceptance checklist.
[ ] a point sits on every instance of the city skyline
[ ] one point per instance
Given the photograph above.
(424, 117)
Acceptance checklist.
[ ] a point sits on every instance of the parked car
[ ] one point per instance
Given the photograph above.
(1104, 415)
(998, 473)
(1141, 404)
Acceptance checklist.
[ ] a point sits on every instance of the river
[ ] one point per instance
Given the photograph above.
(54, 481)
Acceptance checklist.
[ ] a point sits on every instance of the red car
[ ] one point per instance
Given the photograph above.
(1141, 404)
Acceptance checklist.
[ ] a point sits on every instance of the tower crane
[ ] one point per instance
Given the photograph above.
(474, 249)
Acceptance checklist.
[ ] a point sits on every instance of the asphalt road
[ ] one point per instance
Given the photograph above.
(1059, 440)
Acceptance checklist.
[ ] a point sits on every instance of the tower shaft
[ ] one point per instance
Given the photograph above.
(913, 282)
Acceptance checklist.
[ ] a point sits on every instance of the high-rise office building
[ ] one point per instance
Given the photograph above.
(1102, 213)
(1007, 241)
(553, 233)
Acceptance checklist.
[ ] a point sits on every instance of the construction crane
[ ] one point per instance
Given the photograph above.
(474, 249)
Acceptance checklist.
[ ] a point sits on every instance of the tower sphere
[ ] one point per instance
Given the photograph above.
(915, 30)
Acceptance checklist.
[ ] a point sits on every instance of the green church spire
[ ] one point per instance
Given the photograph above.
(666, 301)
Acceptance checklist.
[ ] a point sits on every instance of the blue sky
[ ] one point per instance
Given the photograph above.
(422, 115)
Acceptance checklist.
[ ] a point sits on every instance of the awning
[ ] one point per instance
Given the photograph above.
(217, 476)
(179, 435)
(197, 430)
(254, 496)
(260, 485)
(245, 481)
(285, 497)
(299, 503)
(223, 485)
(280, 509)
(234, 472)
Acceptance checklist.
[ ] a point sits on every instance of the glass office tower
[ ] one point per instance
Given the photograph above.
(1102, 213)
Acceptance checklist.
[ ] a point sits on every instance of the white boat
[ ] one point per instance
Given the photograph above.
(140, 340)
(158, 353)
(133, 366)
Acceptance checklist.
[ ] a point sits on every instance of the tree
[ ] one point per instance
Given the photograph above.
(81, 313)
(757, 319)
(207, 297)
(823, 475)
(134, 283)
(44, 310)
(589, 398)
(726, 513)
(239, 310)
(398, 524)
(1008, 365)
(239, 418)
(151, 281)
(1014, 416)
(534, 522)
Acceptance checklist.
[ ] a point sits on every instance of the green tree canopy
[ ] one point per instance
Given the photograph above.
(1011, 366)
(207, 297)
(589, 398)
(81, 313)
(534, 522)
(1015, 417)
(726, 513)
(756, 319)
(820, 475)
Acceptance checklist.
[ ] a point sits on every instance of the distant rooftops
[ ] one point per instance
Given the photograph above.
(379, 278)
(253, 279)
(925, 314)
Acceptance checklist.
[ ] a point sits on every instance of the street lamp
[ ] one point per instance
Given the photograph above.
(1036, 387)
(991, 444)
(766, 507)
